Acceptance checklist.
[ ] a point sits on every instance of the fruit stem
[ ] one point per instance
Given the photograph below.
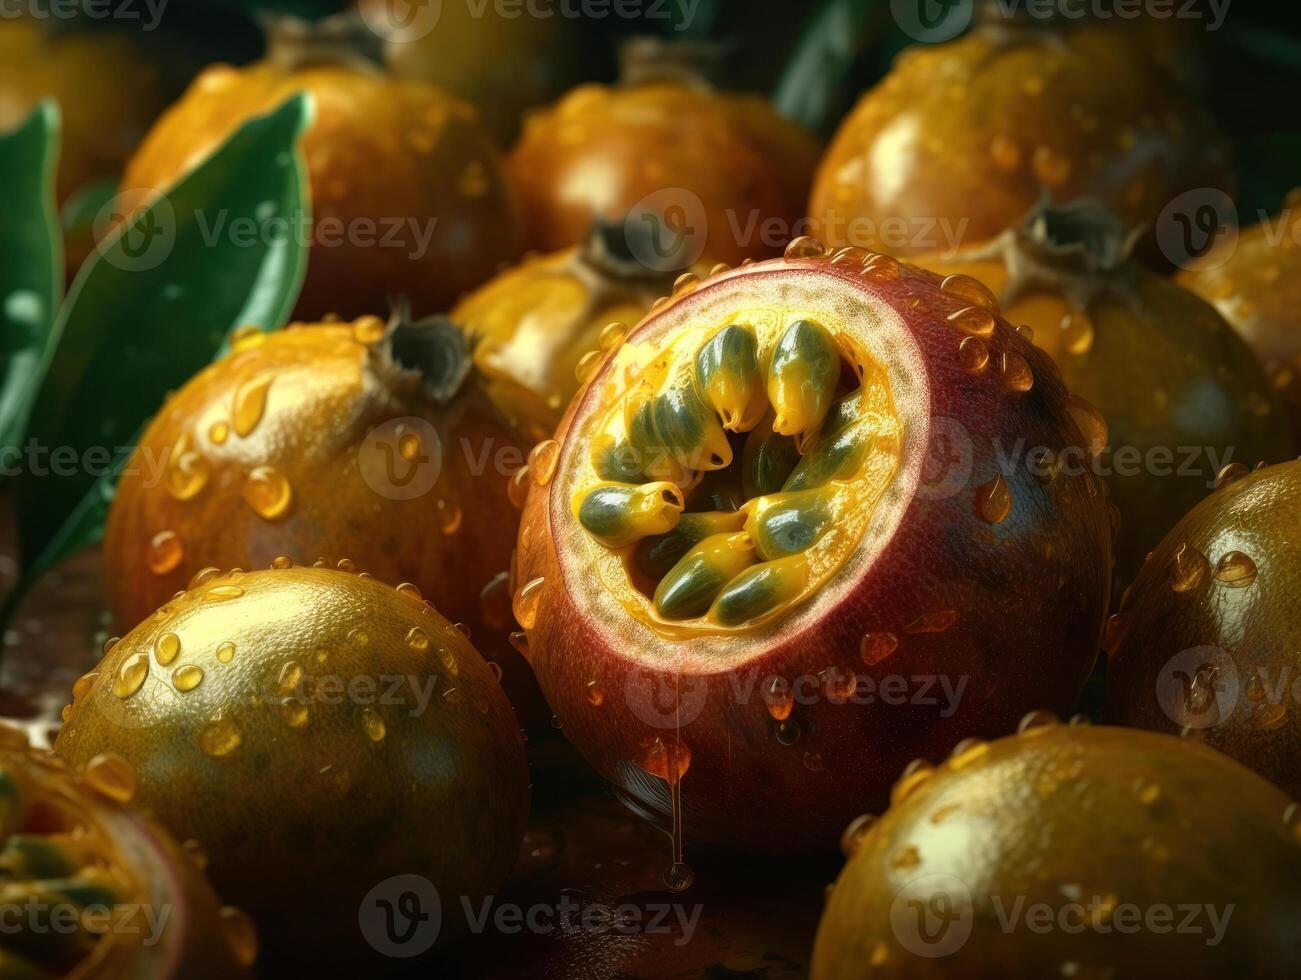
(608, 251)
(646, 60)
(434, 349)
(343, 39)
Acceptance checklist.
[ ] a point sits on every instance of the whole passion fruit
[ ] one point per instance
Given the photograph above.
(1181, 394)
(107, 91)
(715, 171)
(365, 440)
(319, 734)
(774, 552)
(93, 889)
(1257, 288)
(1206, 639)
(961, 139)
(1070, 851)
(535, 327)
(408, 197)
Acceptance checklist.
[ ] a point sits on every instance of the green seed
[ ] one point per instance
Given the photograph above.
(689, 588)
(767, 460)
(689, 430)
(615, 461)
(788, 523)
(655, 556)
(837, 457)
(727, 369)
(34, 856)
(803, 377)
(619, 514)
(759, 590)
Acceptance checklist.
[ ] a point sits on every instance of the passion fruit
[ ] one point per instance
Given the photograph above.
(1257, 289)
(93, 889)
(408, 196)
(714, 168)
(305, 726)
(1070, 851)
(1182, 396)
(773, 551)
(108, 94)
(1206, 639)
(960, 140)
(537, 327)
(332, 440)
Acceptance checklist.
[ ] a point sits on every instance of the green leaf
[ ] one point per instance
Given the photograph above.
(223, 248)
(1268, 165)
(813, 88)
(31, 261)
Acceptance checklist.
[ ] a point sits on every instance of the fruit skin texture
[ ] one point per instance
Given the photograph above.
(972, 132)
(600, 150)
(308, 812)
(408, 197)
(328, 391)
(1065, 817)
(107, 92)
(44, 797)
(949, 588)
(1167, 373)
(1207, 636)
(1257, 289)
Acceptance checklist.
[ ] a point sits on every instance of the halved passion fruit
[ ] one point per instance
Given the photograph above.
(1070, 851)
(784, 518)
(90, 888)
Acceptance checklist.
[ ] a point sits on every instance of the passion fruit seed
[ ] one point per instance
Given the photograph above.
(818, 452)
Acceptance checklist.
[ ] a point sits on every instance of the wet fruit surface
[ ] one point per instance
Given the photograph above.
(538, 326)
(1179, 395)
(107, 93)
(1206, 640)
(721, 567)
(408, 197)
(1256, 289)
(962, 139)
(317, 732)
(316, 443)
(712, 167)
(91, 888)
(1073, 851)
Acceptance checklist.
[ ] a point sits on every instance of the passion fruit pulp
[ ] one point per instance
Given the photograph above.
(93, 889)
(305, 725)
(1182, 396)
(960, 140)
(408, 196)
(1206, 641)
(783, 487)
(1070, 850)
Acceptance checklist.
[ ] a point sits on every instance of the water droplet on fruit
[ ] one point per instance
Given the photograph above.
(994, 501)
(1270, 716)
(542, 461)
(973, 355)
(409, 590)
(875, 647)
(373, 724)
(852, 839)
(250, 404)
(1091, 423)
(187, 472)
(202, 577)
(219, 737)
(660, 758)
(518, 487)
(111, 776)
(1015, 372)
(974, 320)
(165, 552)
(588, 365)
(917, 773)
(595, 696)
(226, 652)
(938, 621)
(526, 601)
(788, 732)
(971, 290)
(884, 267)
(1037, 722)
(166, 648)
(1231, 474)
(520, 641)
(417, 639)
(1235, 570)
(967, 751)
(109, 644)
(907, 857)
(805, 247)
(241, 934)
(685, 283)
(131, 675)
(281, 562)
(612, 335)
(83, 685)
(777, 695)
(187, 678)
(494, 668)
(346, 565)
(1189, 569)
(223, 593)
(679, 877)
(268, 492)
(218, 432)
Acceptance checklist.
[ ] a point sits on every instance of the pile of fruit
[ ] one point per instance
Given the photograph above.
(905, 493)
